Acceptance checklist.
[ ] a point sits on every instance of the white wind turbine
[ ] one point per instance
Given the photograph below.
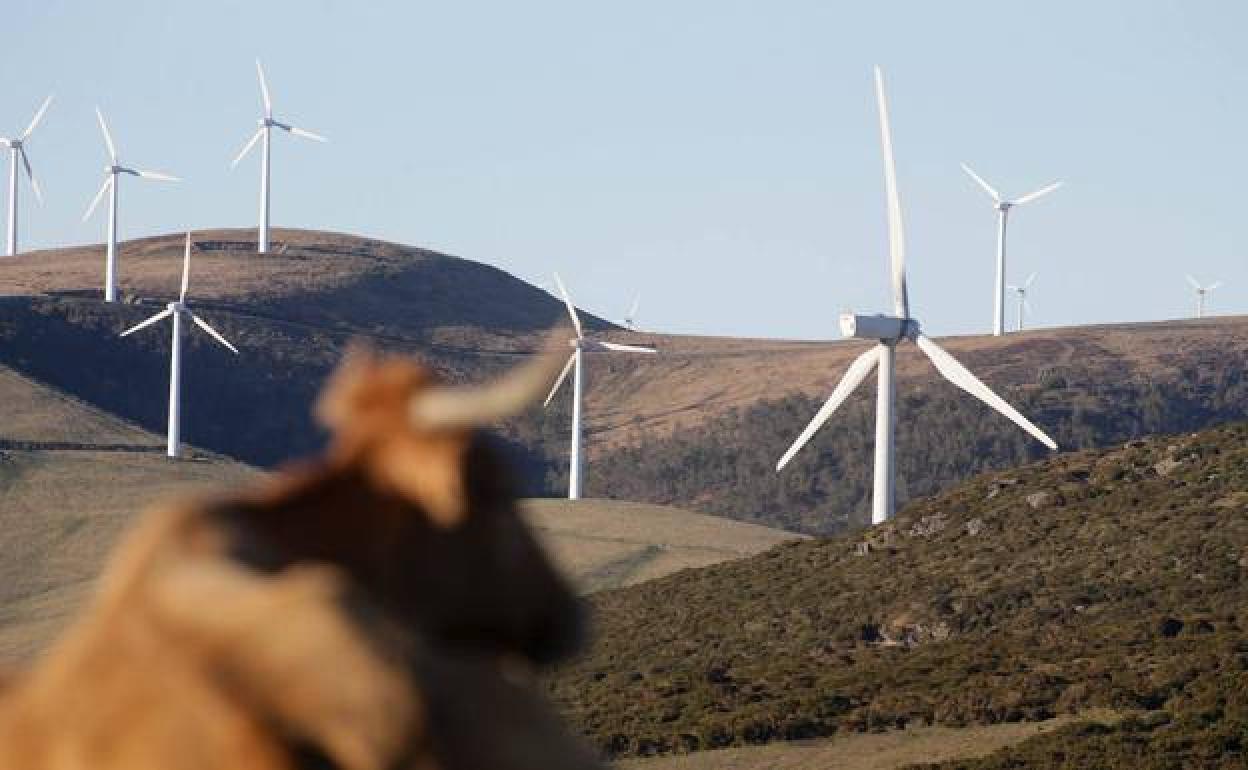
(889, 331)
(1201, 291)
(17, 151)
(1021, 291)
(1003, 214)
(579, 346)
(267, 123)
(630, 321)
(112, 174)
(179, 310)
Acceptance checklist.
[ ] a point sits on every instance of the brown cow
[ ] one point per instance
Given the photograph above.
(373, 609)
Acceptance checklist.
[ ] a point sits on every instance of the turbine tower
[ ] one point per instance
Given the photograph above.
(267, 123)
(889, 331)
(1021, 292)
(112, 174)
(1201, 291)
(17, 151)
(1003, 214)
(580, 345)
(179, 311)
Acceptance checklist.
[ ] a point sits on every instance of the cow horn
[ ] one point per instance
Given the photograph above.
(468, 406)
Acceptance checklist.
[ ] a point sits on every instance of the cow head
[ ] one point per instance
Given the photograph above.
(414, 502)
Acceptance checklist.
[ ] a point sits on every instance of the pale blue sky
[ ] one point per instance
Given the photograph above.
(719, 157)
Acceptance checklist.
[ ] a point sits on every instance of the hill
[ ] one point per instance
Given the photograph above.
(605, 544)
(698, 427)
(71, 479)
(1098, 579)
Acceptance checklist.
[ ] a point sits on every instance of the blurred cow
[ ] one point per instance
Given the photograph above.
(376, 608)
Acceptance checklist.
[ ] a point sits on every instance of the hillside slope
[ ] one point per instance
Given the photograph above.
(1108, 579)
(698, 426)
(605, 544)
(71, 479)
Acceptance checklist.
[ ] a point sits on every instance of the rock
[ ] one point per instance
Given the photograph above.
(1038, 499)
(928, 525)
(1167, 466)
(974, 526)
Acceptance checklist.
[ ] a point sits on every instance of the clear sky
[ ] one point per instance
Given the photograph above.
(719, 157)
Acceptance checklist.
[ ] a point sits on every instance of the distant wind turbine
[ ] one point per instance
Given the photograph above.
(17, 151)
(112, 173)
(579, 346)
(179, 310)
(1021, 291)
(267, 123)
(630, 321)
(1003, 213)
(889, 331)
(1201, 291)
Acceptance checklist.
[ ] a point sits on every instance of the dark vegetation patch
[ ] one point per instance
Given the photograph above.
(1098, 579)
(726, 466)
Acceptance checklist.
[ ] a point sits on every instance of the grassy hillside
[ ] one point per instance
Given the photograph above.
(605, 544)
(698, 427)
(1111, 579)
(71, 479)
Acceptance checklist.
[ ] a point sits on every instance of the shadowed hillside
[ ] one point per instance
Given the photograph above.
(699, 426)
(1111, 579)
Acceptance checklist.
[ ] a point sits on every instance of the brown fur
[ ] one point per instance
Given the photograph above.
(351, 613)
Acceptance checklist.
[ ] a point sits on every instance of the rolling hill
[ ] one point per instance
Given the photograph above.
(72, 477)
(698, 427)
(1097, 579)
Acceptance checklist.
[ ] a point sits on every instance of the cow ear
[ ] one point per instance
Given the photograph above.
(340, 398)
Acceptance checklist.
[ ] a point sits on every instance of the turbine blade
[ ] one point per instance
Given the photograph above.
(632, 312)
(896, 234)
(247, 147)
(959, 375)
(576, 320)
(201, 323)
(1031, 196)
(854, 376)
(162, 315)
(1195, 284)
(1213, 286)
(108, 138)
(1027, 283)
(618, 348)
(34, 184)
(563, 375)
(157, 175)
(305, 133)
(1026, 307)
(996, 196)
(186, 269)
(38, 117)
(99, 196)
(264, 90)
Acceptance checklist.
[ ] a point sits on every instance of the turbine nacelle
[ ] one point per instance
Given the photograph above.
(885, 328)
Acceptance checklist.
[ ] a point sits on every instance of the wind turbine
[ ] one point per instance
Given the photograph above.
(1021, 291)
(575, 363)
(17, 150)
(112, 173)
(630, 321)
(1201, 291)
(267, 123)
(179, 310)
(1003, 214)
(888, 331)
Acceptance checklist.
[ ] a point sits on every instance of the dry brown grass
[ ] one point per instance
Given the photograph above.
(605, 544)
(870, 751)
